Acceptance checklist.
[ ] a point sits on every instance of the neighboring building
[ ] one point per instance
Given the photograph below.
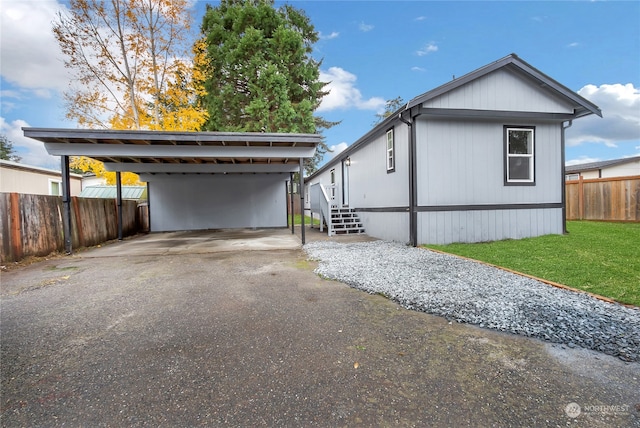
(19, 178)
(89, 179)
(604, 169)
(135, 193)
(477, 159)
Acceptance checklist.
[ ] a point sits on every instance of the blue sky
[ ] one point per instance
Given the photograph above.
(373, 51)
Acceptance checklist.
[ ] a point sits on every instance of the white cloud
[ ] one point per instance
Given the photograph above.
(365, 27)
(620, 105)
(30, 53)
(336, 149)
(581, 160)
(332, 35)
(343, 93)
(418, 69)
(420, 18)
(573, 45)
(31, 151)
(427, 49)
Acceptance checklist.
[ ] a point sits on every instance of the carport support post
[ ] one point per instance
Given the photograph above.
(119, 203)
(293, 223)
(301, 190)
(66, 204)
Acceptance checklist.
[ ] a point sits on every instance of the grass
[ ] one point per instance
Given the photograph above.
(598, 257)
(307, 220)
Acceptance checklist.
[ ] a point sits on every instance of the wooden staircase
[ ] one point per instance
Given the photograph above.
(345, 221)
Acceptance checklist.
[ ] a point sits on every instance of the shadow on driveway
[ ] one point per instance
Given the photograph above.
(122, 337)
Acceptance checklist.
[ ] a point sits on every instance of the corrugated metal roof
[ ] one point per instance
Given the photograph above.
(598, 165)
(109, 192)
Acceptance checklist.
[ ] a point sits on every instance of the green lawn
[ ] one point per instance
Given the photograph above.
(307, 220)
(598, 257)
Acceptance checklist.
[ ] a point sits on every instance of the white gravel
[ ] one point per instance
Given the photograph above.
(471, 292)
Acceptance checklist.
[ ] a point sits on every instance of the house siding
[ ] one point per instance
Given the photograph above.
(25, 180)
(370, 186)
(446, 227)
(462, 163)
(389, 226)
(623, 170)
(197, 202)
(501, 90)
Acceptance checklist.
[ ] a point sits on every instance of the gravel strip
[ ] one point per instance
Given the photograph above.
(471, 292)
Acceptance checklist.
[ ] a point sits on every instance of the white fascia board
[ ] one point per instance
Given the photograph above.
(200, 168)
(171, 151)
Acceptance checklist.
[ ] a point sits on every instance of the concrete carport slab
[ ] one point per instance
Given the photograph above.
(199, 242)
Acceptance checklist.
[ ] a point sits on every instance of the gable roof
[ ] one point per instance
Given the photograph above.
(582, 106)
(591, 166)
(181, 152)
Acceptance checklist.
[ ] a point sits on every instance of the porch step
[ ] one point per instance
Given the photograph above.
(345, 221)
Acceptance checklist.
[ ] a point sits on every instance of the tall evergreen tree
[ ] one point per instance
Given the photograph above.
(258, 73)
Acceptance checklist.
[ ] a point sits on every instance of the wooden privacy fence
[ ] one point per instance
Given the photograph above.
(609, 199)
(31, 225)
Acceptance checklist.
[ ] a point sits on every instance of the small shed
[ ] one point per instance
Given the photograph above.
(480, 158)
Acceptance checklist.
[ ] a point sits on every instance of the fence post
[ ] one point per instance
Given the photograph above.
(581, 198)
(16, 227)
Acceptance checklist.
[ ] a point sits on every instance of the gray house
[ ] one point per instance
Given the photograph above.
(480, 158)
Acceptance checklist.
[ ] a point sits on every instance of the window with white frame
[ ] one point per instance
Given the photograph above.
(519, 155)
(55, 187)
(391, 156)
(332, 176)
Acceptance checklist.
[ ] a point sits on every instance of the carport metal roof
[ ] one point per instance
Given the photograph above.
(181, 152)
(164, 152)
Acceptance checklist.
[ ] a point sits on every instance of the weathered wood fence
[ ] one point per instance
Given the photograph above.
(31, 225)
(608, 199)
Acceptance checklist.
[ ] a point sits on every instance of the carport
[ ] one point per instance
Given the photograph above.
(196, 180)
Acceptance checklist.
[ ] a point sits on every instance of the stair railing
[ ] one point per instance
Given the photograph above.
(320, 202)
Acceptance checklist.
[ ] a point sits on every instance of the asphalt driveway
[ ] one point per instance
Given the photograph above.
(252, 337)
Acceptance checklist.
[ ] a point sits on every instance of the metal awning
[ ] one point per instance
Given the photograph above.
(181, 152)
